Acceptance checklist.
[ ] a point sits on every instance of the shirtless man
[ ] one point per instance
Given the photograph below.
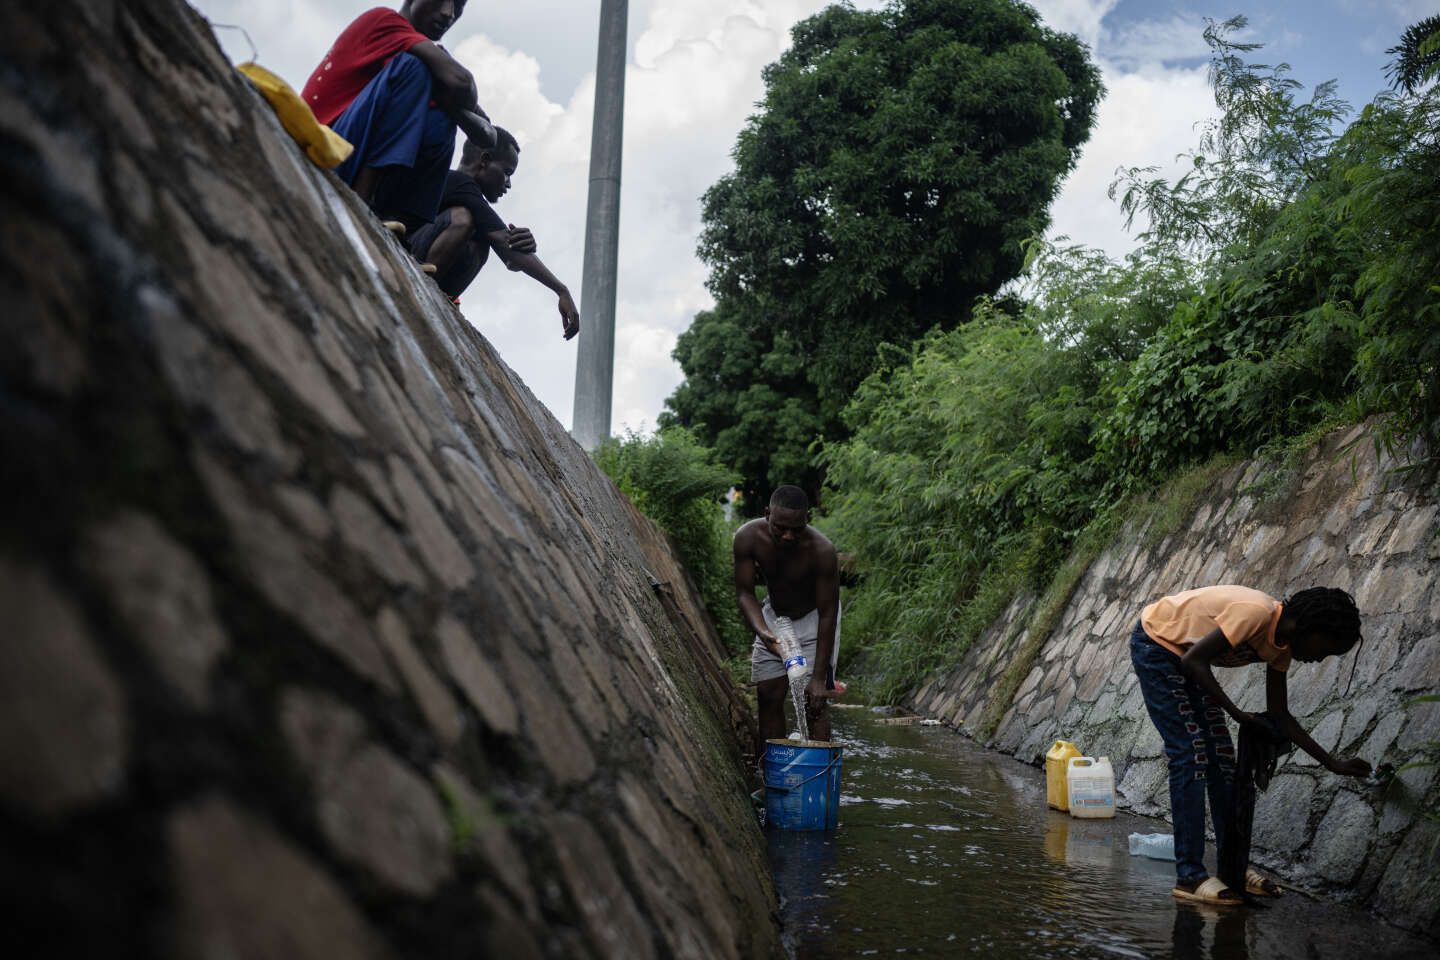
(799, 566)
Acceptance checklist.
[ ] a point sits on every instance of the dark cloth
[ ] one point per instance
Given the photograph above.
(1261, 747)
(393, 127)
(360, 52)
(460, 191)
(468, 260)
(1197, 746)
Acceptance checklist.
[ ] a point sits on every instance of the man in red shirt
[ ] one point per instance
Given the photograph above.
(389, 88)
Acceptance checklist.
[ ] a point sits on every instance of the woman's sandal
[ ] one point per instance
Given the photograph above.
(1209, 892)
(1259, 885)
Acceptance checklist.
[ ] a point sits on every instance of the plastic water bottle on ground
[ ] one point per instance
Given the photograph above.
(1156, 846)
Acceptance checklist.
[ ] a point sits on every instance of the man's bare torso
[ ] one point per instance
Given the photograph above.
(789, 574)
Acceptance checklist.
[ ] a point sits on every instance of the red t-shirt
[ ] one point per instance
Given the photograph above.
(360, 52)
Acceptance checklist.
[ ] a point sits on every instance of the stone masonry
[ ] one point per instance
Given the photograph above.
(1348, 519)
(321, 637)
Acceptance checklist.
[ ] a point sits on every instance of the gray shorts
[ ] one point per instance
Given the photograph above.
(764, 665)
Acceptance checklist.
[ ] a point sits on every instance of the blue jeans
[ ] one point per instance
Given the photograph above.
(1197, 744)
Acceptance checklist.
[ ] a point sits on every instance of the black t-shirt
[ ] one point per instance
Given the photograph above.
(462, 191)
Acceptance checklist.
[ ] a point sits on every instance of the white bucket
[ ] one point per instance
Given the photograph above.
(1091, 785)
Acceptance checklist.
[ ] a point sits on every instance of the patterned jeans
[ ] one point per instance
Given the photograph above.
(1197, 744)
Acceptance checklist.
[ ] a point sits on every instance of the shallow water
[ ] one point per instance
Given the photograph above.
(947, 849)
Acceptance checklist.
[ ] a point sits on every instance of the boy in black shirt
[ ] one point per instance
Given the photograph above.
(467, 228)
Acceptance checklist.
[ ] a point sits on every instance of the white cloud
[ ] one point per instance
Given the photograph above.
(1181, 37)
(1080, 17)
(1147, 118)
(693, 78)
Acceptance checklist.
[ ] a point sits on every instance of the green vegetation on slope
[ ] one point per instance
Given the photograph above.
(675, 482)
(1290, 278)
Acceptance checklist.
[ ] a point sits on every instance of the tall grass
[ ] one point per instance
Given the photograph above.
(675, 482)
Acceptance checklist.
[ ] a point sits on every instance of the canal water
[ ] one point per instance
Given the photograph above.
(946, 849)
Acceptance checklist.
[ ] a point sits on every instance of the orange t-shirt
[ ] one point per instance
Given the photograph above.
(1247, 618)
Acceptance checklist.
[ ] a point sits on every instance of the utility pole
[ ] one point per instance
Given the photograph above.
(595, 363)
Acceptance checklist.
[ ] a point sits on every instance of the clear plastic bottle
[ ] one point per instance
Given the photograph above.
(795, 666)
(1156, 846)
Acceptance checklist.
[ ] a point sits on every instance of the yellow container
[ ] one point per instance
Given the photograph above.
(1057, 789)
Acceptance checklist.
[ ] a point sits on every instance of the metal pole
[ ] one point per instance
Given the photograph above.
(595, 363)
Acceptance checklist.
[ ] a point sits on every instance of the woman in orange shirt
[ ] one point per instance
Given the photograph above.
(1175, 646)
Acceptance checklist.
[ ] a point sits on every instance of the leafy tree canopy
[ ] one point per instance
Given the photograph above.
(899, 160)
(1417, 56)
(1284, 284)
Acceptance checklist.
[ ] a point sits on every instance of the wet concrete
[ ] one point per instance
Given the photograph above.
(947, 849)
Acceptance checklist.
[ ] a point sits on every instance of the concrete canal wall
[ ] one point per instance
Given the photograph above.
(1344, 517)
(321, 637)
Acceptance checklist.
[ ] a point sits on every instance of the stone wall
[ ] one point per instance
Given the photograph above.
(1344, 519)
(321, 637)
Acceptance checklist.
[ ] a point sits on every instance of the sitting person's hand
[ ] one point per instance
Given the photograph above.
(569, 315)
(520, 239)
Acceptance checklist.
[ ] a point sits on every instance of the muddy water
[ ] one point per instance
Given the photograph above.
(946, 849)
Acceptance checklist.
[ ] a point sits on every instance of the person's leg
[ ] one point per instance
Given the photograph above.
(817, 715)
(397, 137)
(367, 179)
(466, 267)
(1220, 765)
(385, 122)
(1163, 686)
(767, 672)
(770, 696)
(454, 227)
(411, 194)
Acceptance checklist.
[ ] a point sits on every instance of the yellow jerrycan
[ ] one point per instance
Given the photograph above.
(1057, 789)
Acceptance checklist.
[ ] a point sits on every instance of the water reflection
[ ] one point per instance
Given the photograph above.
(945, 849)
(804, 865)
(1079, 843)
(1227, 943)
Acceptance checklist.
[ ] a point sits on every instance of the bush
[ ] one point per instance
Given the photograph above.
(673, 480)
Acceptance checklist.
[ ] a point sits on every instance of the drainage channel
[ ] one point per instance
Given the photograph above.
(947, 849)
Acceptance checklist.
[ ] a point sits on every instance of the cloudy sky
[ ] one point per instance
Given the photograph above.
(694, 77)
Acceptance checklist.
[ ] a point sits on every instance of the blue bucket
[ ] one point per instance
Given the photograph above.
(802, 785)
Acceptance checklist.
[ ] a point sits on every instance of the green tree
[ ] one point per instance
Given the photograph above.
(748, 390)
(1417, 56)
(899, 160)
(1392, 212)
